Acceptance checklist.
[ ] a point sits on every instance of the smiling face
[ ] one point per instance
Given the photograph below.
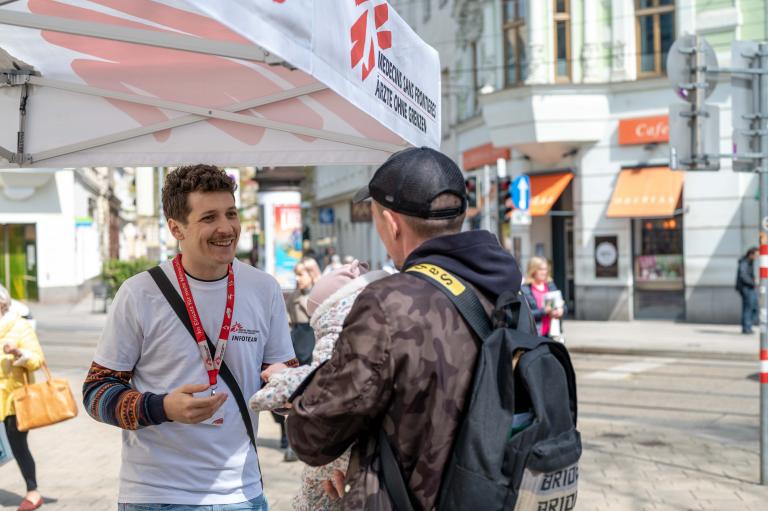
(208, 238)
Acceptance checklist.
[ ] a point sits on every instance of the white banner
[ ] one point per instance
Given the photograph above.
(360, 84)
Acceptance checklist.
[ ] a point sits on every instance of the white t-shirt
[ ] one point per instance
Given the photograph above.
(202, 464)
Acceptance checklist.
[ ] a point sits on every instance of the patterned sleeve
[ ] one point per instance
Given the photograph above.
(109, 398)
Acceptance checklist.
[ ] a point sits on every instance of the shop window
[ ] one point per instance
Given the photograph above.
(655, 33)
(562, 31)
(658, 268)
(515, 43)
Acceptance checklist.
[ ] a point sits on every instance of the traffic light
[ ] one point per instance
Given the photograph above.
(471, 184)
(504, 200)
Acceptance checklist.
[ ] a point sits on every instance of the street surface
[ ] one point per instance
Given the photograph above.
(659, 432)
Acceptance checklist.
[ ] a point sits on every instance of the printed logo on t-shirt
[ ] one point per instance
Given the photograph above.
(240, 333)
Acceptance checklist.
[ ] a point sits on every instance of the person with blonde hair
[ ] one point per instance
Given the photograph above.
(539, 289)
(307, 274)
(312, 268)
(21, 354)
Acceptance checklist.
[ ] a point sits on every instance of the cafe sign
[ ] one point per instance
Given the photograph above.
(644, 130)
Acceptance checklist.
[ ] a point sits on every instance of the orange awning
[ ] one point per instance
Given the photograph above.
(646, 193)
(545, 190)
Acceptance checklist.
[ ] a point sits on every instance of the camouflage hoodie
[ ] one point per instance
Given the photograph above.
(404, 362)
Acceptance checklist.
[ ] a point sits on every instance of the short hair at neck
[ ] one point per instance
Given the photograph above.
(428, 228)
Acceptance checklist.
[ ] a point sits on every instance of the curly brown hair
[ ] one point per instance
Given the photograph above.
(182, 181)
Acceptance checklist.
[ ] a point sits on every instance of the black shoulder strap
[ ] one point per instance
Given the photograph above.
(462, 296)
(177, 304)
(393, 476)
(472, 310)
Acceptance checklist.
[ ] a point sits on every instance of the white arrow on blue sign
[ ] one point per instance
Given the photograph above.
(521, 192)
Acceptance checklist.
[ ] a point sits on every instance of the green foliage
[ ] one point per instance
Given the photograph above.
(116, 271)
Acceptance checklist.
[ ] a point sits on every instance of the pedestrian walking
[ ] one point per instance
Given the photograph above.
(21, 357)
(329, 304)
(544, 299)
(310, 263)
(746, 287)
(404, 360)
(189, 436)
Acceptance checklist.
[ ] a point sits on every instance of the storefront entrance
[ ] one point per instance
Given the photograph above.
(18, 260)
(562, 258)
(658, 268)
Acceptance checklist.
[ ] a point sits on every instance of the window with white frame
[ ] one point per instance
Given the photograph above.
(515, 42)
(655, 33)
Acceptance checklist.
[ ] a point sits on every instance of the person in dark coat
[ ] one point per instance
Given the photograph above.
(745, 285)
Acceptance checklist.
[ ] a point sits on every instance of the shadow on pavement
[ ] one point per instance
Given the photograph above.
(8, 498)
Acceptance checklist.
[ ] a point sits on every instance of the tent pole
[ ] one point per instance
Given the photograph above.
(219, 114)
(6, 154)
(137, 36)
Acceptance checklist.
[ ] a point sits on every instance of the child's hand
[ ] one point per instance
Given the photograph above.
(267, 373)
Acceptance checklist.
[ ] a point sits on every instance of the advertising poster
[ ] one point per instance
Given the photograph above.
(287, 238)
(606, 257)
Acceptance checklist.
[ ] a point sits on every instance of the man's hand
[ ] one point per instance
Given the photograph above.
(181, 406)
(267, 373)
(335, 487)
(7, 348)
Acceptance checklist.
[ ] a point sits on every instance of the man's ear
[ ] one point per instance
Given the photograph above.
(176, 229)
(391, 223)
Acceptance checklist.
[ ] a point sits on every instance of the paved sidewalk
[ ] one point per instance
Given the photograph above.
(625, 467)
(662, 338)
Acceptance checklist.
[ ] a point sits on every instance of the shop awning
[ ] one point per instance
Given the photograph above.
(646, 193)
(546, 189)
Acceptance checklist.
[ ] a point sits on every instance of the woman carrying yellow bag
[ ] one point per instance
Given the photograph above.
(21, 355)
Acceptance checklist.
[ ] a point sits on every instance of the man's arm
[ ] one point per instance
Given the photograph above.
(109, 398)
(350, 392)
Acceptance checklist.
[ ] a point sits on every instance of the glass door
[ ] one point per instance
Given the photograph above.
(658, 268)
(18, 260)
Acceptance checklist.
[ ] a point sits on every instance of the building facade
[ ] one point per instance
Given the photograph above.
(52, 232)
(574, 94)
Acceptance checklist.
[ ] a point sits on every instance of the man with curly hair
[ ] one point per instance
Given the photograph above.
(186, 443)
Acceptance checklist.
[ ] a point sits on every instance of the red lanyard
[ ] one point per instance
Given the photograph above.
(212, 366)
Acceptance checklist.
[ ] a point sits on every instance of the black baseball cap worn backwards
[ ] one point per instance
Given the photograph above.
(411, 179)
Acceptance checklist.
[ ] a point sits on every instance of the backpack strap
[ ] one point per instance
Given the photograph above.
(462, 296)
(177, 304)
(392, 476)
(473, 312)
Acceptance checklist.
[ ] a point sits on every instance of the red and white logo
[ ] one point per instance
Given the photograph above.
(361, 35)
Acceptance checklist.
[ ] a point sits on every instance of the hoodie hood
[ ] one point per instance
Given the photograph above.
(474, 256)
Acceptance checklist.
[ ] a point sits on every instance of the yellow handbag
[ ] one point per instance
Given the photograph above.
(42, 404)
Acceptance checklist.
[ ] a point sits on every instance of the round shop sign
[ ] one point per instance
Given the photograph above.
(606, 254)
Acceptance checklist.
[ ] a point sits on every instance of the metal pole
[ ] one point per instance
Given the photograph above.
(699, 94)
(161, 217)
(762, 112)
(487, 198)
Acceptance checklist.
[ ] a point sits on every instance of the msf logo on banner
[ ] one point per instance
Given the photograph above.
(362, 36)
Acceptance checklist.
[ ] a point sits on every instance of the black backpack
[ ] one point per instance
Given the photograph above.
(517, 447)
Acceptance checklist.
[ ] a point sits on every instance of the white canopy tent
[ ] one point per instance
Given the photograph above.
(168, 82)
